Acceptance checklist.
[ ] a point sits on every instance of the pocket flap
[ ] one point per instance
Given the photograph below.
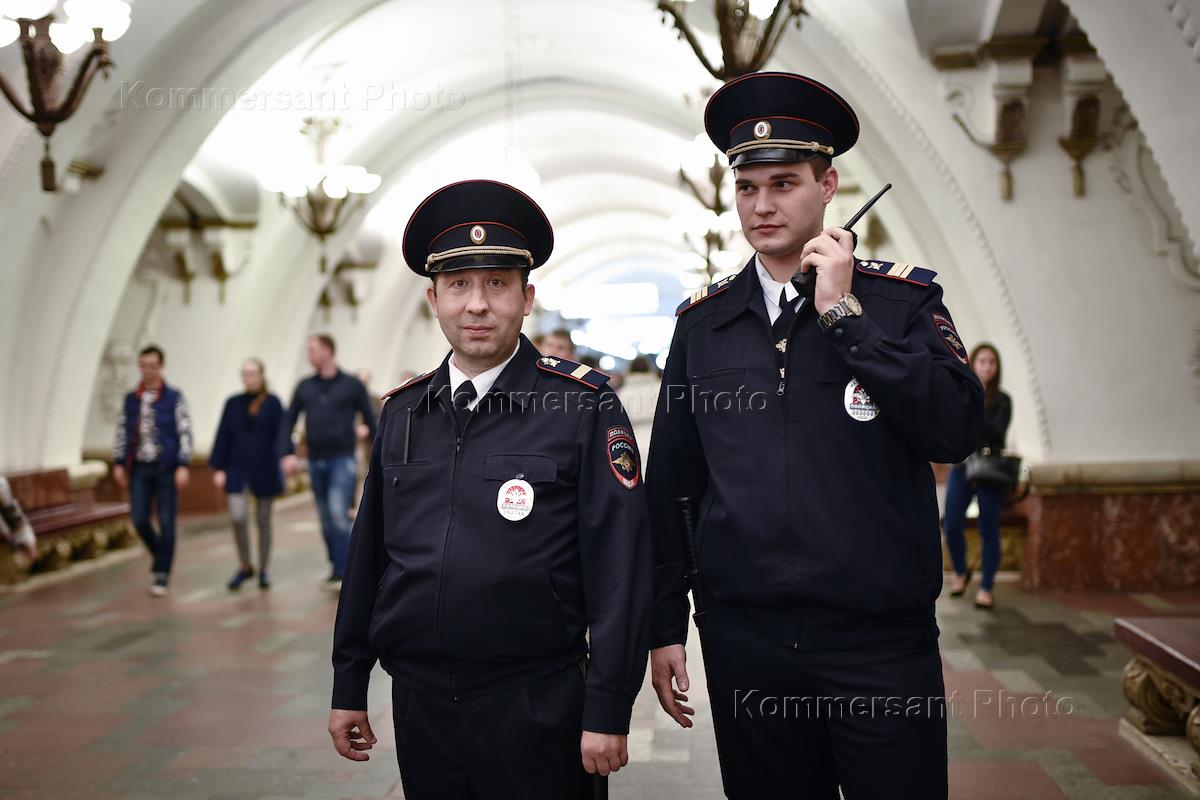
(832, 369)
(532, 468)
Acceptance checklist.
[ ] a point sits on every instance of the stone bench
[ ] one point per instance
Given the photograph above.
(67, 520)
(1162, 682)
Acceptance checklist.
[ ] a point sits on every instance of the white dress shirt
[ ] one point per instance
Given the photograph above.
(483, 381)
(772, 288)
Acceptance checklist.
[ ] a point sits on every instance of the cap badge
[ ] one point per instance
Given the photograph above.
(478, 234)
(762, 129)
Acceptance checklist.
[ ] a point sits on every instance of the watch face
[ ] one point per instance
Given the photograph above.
(853, 306)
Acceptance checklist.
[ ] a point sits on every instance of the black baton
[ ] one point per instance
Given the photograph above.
(687, 528)
(599, 787)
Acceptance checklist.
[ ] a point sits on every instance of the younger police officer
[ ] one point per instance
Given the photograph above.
(502, 525)
(803, 427)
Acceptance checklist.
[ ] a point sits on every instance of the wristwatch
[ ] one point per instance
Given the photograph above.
(848, 306)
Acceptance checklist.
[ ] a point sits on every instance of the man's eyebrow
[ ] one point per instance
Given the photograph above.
(776, 176)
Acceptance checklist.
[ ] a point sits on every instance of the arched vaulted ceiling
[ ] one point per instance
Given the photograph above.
(592, 96)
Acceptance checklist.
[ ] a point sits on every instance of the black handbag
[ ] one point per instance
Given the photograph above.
(989, 468)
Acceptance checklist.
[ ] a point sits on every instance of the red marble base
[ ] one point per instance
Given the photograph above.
(1126, 538)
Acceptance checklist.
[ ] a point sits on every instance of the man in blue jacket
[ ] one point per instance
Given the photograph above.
(151, 455)
(801, 424)
(332, 402)
(500, 563)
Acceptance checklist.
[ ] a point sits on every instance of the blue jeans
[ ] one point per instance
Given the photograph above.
(149, 483)
(959, 492)
(333, 487)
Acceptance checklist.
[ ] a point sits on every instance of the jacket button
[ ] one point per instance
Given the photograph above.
(395, 481)
(838, 333)
(853, 349)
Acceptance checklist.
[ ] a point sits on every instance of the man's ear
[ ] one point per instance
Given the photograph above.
(431, 297)
(829, 184)
(529, 294)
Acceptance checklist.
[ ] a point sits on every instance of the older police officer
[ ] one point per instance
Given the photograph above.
(502, 527)
(802, 425)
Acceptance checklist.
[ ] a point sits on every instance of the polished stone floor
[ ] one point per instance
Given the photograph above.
(106, 692)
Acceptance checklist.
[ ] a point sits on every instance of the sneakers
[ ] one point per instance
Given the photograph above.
(159, 587)
(263, 581)
(239, 577)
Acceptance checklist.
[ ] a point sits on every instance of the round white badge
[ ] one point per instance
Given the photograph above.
(514, 501)
(859, 404)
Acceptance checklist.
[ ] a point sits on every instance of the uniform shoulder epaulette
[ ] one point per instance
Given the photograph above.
(411, 382)
(574, 370)
(910, 273)
(700, 295)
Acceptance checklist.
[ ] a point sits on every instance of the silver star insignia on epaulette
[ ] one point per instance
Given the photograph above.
(550, 362)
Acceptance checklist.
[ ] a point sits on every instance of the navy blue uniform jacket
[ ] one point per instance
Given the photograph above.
(802, 505)
(247, 447)
(456, 600)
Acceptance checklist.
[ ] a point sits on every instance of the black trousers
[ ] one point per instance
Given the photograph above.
(799, 724)
(521, 742)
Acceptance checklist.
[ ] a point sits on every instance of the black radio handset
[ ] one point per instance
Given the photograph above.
(806, 282)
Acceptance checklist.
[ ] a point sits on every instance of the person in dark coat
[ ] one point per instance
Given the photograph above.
(985, 360)
(802, 401)
(499, 567)
(245, 460)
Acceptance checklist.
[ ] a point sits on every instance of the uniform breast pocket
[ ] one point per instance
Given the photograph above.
(412, 491)
(719, 374)
(401, 481)
(831, 369)
(532, 468)
(719, 391)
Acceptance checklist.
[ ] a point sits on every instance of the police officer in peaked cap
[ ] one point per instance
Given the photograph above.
(499, 565)
(802, 401)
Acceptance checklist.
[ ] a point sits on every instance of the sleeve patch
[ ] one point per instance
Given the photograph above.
(945, 329)
(623, 456)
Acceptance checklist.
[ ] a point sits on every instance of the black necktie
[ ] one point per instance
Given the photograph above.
(462, 398)
(783, 323)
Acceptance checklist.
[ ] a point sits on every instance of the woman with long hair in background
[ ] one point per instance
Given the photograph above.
(985, 360)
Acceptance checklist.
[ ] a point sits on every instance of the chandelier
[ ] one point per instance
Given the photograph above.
(708, 231)
(44, 41)
(749, 32)
(322, 196)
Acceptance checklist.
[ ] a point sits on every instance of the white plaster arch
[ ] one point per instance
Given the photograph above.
(1028, 275)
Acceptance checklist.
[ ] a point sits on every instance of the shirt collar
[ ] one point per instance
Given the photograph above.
(483, 381)
(772, 287)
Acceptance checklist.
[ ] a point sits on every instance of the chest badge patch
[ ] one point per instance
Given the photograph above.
(859, 404)
(514, 501)
(623, 456)
(945, 329)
